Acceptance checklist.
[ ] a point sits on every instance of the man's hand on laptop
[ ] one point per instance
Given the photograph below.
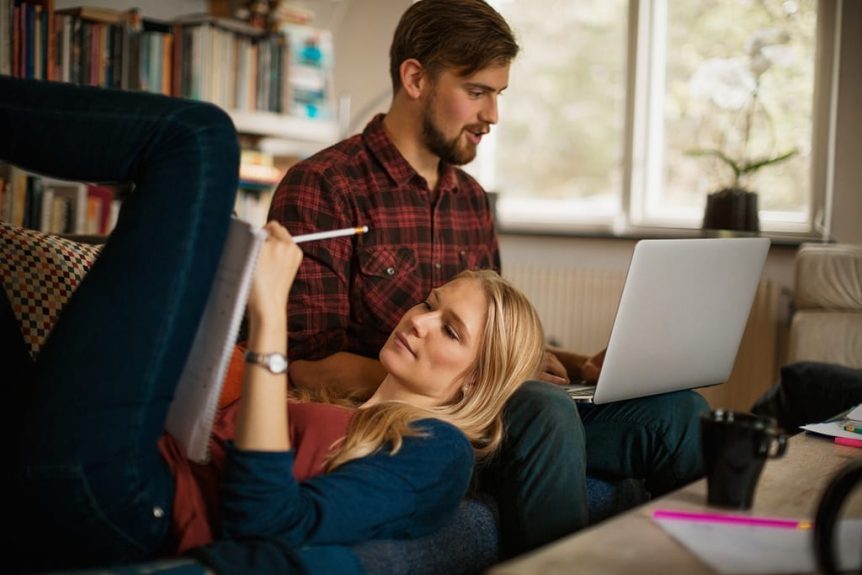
(591, 368)
(553, 370)
(564, 367)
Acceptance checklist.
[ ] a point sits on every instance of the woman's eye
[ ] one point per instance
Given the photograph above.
(451, 333)
(426, 304)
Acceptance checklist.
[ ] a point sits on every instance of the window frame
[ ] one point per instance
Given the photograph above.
(642, 153)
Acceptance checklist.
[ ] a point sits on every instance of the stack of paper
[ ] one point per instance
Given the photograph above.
(846, 426)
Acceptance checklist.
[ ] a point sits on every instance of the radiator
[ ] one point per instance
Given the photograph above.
(577, 307)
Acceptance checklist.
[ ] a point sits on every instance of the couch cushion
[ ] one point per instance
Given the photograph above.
(826, 336)
(39, 273)
(829, 276)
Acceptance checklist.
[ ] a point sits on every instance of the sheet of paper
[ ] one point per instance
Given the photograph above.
(756, 549)
(833, 428)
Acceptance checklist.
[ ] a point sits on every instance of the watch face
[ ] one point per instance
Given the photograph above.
(277, 363)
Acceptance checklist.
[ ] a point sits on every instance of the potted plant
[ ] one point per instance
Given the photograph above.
(734, 87)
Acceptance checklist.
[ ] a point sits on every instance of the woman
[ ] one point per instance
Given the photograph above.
(86, 480)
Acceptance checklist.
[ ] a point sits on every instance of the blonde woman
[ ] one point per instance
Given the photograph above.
(93, 479)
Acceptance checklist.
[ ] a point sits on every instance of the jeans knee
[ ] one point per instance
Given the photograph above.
(684, 409)
(538, 405)
(209, 131)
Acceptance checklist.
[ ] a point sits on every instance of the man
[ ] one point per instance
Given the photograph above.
(428, 220)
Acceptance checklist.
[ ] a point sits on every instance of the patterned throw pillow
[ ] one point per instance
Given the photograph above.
(39, 273)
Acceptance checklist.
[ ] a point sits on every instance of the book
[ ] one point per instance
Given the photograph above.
(193, 409)
(99, 198)
(75, 196)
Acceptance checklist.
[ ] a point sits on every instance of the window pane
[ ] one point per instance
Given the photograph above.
(739, 79)
(560, 136)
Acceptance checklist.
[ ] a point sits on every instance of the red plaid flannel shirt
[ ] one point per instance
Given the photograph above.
(350, 292)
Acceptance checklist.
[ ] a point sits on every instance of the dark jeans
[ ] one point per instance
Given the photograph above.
(539, 477)
(84, 482)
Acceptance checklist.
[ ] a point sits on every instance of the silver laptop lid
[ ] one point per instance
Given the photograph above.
(681, 316)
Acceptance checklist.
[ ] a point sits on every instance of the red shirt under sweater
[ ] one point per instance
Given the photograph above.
(314, 429)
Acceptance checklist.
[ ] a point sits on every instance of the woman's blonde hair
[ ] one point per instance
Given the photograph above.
(511, 352)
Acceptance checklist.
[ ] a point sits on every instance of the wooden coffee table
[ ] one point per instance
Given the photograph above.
(633, 543)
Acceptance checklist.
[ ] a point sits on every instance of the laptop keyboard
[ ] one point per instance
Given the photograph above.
(580, 391)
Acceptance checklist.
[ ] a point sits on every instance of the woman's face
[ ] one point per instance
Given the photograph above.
(436, 343)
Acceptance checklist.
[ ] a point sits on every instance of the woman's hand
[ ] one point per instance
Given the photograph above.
(274, 273)
(262, 421)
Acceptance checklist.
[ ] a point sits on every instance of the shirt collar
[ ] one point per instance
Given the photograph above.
(398, 168)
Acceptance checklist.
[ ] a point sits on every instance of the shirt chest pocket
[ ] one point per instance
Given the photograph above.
(386, 262)
(388, 284)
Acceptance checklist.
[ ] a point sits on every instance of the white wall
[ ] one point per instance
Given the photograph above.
(362, 41)
(847, 201)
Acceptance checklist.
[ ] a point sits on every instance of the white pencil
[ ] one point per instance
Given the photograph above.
(330, 234)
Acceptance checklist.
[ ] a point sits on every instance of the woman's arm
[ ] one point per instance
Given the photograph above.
(262, 423)
(408, 494)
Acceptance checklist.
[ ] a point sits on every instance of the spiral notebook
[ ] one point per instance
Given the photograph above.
(193, 409)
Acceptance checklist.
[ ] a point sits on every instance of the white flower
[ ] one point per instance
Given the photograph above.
(767, 47)
(728, 82)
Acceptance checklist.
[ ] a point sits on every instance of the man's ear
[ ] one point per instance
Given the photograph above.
(413, 78)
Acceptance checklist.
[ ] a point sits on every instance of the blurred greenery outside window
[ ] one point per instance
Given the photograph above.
(608, 99)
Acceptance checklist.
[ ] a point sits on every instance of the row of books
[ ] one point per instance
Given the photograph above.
(220, 60)
(63, 207)
(56, 206)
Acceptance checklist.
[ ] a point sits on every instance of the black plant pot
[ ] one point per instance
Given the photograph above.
(731, 209)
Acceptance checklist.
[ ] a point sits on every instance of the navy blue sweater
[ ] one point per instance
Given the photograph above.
(273, 523)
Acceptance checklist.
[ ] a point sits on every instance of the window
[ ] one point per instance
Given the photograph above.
(618, 111)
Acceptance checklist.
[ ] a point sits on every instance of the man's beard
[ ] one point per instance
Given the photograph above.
(450, 151)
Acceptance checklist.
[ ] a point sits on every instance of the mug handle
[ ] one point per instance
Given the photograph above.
(780, 445)
(825, 522)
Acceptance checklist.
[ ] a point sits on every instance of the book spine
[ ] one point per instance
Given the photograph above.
(16, 41)
(5, 38)
(167, 61)
(30, 30)
(36, 43)
(77, 54)
(45, 217)
(46, 45)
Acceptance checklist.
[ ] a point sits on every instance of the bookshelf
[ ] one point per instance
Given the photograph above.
(276, 85)
(304, 132)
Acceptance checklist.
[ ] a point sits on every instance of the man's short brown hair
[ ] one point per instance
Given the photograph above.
(461, 35)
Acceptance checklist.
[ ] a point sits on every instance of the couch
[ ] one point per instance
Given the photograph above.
(822, 375)
(39, 272)
(827, 319)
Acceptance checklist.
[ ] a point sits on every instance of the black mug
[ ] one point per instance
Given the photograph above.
(735, 447)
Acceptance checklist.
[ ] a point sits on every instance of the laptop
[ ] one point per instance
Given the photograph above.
(681, 316)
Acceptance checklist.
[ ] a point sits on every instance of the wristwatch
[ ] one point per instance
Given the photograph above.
(275, 362)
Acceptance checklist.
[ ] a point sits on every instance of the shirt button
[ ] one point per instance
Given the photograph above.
(158, 512)
(390, 270)
(438, 265)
